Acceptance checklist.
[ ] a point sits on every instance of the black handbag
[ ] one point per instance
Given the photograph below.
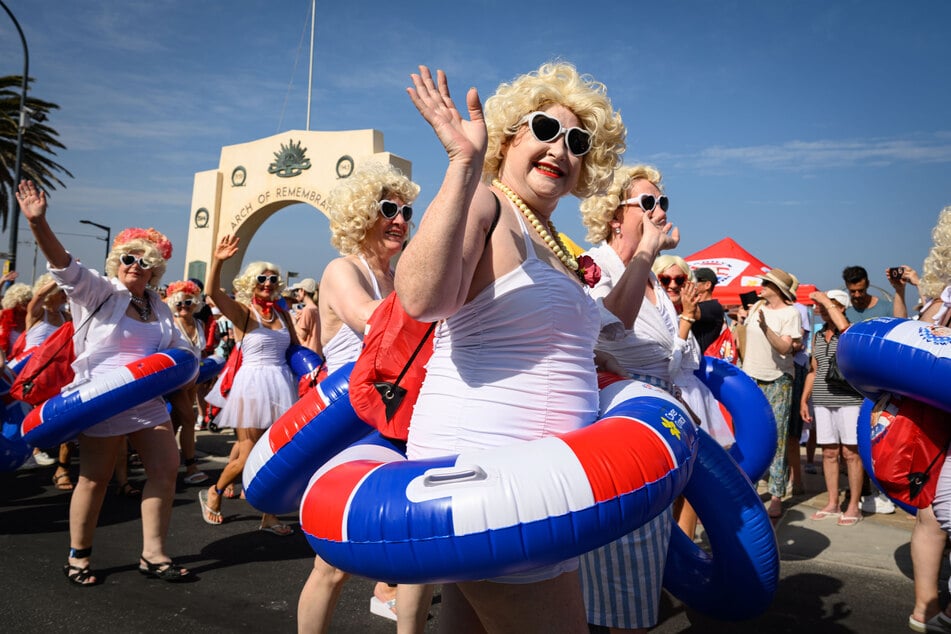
(834, 376)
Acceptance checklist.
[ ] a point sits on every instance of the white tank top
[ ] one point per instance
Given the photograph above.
(39, 333)
(345, 346)
(515, 363)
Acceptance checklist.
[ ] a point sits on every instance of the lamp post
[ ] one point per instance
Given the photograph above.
(108, 231)
(21, 125)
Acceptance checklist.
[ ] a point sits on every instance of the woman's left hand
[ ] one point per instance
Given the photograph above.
(227, 247)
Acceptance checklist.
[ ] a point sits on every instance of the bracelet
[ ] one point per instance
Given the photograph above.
(688, 319)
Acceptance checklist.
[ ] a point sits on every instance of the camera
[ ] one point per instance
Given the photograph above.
(896, 272)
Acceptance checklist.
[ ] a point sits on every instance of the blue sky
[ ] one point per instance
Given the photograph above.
(814, 133)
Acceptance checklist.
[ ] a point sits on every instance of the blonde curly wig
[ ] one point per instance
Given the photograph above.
(558, 83)
(150, 253)
(353, 203)
(181, 290)
(936, 272)
(597, 212)
(18, 294)
(665, 261)
(245, 283)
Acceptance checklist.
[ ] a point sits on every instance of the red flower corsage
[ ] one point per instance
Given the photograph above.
(588, 271)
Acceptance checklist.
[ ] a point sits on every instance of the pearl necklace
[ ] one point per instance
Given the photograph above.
(553, 241)
(265, 319)
(141, 306)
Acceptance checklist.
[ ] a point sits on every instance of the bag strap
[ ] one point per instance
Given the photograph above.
(53, 356)
(432, 326)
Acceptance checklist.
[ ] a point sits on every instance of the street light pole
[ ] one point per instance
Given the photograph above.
(21, 125)
(108, 231)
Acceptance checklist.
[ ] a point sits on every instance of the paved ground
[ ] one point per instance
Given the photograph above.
(834, 579)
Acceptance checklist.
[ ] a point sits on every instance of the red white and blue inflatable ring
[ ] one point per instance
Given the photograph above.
(503, 510)
(315, 429)
(737, 580)
(209, 368)
(13, 449)
(904, 356)
(754, 425)
(864, 436)
(302, 360)
(67, 414)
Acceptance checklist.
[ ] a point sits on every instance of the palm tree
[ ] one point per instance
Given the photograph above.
(39, 143)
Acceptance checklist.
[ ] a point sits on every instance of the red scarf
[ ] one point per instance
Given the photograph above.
(265, 304)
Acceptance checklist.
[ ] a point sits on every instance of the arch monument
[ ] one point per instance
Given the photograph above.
(255, 180)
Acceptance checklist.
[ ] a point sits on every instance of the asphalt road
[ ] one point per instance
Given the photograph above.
(248, 580)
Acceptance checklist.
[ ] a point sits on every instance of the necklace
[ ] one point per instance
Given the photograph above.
(550, 238)
(265, 319)
(184, 328)
(142, 307)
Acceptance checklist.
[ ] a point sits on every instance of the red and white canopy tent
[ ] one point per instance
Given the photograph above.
(736, 269)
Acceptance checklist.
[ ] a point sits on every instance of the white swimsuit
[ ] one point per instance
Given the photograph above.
(346, 344)
(515, 363)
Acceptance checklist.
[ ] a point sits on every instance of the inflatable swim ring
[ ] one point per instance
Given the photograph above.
(904, 356)
(754, 426)
(502, 510)
(209, 368)
(65, 415)
(316, 428)
(13, 449)
(302, 360)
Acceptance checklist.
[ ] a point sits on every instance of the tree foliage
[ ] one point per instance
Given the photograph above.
(40, 143)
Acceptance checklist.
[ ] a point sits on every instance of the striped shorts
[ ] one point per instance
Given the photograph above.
(621, 581)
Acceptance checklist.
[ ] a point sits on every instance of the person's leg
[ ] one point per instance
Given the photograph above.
(687, 520)
(159, 453)
(830, 471)
(927, 548)
(853, 466)
(412, 607)
(96, 463)
(779, 395)
(235, 467)
(556, 605)
(456, 613)
(794, 433)
(182, 421)
(319, 597)
(61, 479)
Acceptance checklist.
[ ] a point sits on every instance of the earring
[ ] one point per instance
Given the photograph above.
(617, 231)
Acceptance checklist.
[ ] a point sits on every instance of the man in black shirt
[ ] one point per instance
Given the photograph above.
(708, 326)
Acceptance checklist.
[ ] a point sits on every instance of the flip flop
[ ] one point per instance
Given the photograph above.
(824, 515)
(281, 530)
(845, 520)
(210, 517)
(196, 478)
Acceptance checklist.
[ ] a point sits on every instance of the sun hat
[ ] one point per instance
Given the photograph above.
(785, 282)
(840, 296)
(308, 285)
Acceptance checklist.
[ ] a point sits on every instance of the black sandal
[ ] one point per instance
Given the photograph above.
(126, 490)
(79, 576)
(164, 570)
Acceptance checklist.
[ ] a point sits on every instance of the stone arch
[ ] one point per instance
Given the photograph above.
(257, 179)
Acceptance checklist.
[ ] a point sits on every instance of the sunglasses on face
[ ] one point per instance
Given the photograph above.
(389, 209)
(547, 129)
(665, 280)
(128, 259)
(187, 303)
(647, 202)
(267, 278)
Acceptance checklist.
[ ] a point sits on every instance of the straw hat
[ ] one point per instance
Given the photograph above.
(785, 282)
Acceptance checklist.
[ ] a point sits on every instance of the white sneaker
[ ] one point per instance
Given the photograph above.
(386, 609)
(877, 504)
(43, 459)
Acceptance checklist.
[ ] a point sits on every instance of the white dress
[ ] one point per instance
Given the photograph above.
(263, 387)
(134, 340)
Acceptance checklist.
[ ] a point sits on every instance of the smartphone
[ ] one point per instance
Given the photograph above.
(896, 272)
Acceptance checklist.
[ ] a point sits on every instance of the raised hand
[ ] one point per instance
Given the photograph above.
(32, 200)
(658, 237)
(227, 247)
(463, 140)
(689, 297)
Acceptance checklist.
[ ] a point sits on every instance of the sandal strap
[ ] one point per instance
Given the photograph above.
(62, 465)
(81, 576)
(79, 553)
